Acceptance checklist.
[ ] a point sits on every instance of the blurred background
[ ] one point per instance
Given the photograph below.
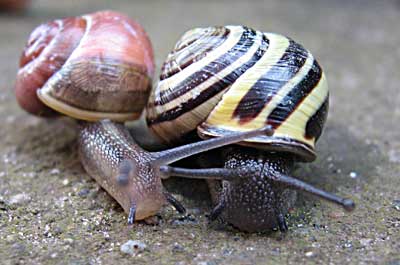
(357, 44)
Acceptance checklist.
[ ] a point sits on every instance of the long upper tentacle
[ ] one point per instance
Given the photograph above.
(178, 153)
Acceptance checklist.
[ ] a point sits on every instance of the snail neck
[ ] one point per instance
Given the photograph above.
(263, 200)
(265, 162)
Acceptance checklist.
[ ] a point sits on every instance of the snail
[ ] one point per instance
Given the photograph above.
(98, 68)
(222, 80)
(91, 67)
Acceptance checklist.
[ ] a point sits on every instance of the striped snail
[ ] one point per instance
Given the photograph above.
(98, 68)
(223, 80)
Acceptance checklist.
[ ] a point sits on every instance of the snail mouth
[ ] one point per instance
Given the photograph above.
(147, 208)
(81, 114)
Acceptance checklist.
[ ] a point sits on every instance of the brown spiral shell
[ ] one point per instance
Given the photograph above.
(90, 67)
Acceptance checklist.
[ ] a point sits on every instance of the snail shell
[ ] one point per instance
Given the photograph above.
(91, 67)
(223, 79)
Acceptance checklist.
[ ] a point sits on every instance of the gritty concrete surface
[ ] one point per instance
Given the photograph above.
(51, 212)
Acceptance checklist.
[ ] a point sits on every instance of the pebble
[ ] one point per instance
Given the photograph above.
(83, 192)
(68, 241)
(347, 245)
(309, 254)
(316, 245)
(30, 174)
(396, 205)
(65, 182)
(19, 199)
(177, 247)
(55, 171)
(133, 247)
(57, 231)
(227, 252)
(353, 175)
(365, 241)
(106, 236)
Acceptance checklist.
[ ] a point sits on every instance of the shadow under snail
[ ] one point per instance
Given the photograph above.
(99, 67)
(223, 80)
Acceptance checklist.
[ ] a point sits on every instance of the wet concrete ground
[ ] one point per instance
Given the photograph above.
(52, 212)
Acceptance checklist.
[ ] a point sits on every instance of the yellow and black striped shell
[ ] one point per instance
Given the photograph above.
(223, 79)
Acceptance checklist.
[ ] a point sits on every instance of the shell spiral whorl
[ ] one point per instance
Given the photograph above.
(90, 67)
(223, 79)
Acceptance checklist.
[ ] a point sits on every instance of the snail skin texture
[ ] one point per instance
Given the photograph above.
(99, 67)
(220, 80)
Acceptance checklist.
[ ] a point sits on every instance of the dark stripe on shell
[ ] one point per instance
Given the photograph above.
(316, 123)
(241, 47)
(171, 67)
(293, 99)
(213, 90)
(261, 93)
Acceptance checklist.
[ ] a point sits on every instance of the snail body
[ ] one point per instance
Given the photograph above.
(111, 156)
(131, 175)
(221, 80)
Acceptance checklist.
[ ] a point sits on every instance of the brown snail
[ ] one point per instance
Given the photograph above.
(95, 67)
(221, 80)
(90, 67)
